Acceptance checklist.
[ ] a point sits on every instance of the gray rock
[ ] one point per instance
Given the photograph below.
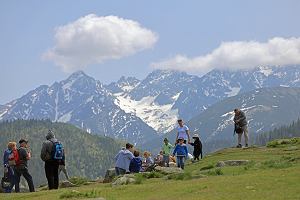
(124, 180)
(66, 184)
(231, 163)
(109, 176)
(168, 170)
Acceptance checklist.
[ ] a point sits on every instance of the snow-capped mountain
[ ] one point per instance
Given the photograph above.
(265, 109)
(83, 101)
(164, 96)
(136, 110)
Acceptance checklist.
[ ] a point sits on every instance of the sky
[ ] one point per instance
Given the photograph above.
(45, 41)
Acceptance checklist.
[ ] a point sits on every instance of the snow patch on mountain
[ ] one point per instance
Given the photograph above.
(161, 118)
(267, 71)
(234, 91)
(66, 117)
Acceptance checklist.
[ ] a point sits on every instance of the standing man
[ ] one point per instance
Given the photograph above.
(22, 167)
(241, 121)
(52, 152)
(182, 132)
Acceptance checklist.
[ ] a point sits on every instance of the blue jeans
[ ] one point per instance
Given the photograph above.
(166, 160)
(180, 162)
(120, 171)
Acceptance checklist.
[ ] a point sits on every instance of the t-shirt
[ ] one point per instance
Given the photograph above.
(182, 132)
(167, 149)
(23, 156)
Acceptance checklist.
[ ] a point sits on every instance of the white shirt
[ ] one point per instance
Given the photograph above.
(182, 132)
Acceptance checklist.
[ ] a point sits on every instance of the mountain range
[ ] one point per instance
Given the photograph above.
(140, 110)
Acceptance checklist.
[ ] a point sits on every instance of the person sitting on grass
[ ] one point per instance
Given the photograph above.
(159, 159)
(181, 153)
(123, 159)
(148, 161)
(135, 163)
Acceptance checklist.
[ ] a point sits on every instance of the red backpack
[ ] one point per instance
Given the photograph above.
(14, 158)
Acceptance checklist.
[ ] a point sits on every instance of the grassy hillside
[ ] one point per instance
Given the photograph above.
(272, 173)
(86, 155)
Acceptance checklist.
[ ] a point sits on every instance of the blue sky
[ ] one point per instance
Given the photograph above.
(185, 35)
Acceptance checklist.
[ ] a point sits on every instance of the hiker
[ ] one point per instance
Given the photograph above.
(22, 167)
(197, 147)
(166, 148)
(148, 163)
(181, 152)
(10, 159)
(135, 163)
(52, 154)
(123, 159)
(62, 168)
(240, 122)
(182, 132)
(159, 159)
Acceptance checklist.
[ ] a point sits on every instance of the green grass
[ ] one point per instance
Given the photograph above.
(272, 173)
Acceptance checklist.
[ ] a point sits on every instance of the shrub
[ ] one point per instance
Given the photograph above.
(139, 178)
(77, 194)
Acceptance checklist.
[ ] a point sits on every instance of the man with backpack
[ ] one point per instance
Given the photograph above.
(240, 124)
(52, 153)
(22, 167)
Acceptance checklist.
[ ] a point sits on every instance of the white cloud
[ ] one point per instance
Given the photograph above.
(92, 39)
(239, 55)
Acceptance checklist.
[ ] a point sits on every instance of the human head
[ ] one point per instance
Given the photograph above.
(161, 153)
(129, 146)
(23, 142)
(147, 154)
(12, 145)
(236, 111)
(180, 140)
(50, 135)
(195, 136)
(166, 140)
(180, 122)
(136, 153)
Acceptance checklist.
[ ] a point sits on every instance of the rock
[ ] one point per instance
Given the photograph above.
(168, 170)
(172, 164)
(66, 184)
(231, 163)
(109, 176)
(221, 164)
(124, 180)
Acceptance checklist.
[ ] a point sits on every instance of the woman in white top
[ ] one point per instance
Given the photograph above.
(182, 132)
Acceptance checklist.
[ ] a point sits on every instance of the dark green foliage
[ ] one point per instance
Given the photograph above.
(77, 194)
(86, 155)
(289, 131)
(210, 166)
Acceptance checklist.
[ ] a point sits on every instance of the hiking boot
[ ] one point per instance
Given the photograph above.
(239, 146)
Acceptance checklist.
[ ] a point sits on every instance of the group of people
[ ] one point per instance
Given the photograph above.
(15, 163)
(128, 159)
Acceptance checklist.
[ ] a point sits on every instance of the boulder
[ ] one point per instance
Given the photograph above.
(232, 163)
(109, 176)
(172, 164)
(124, 180)
(66, 184)
(168, 170)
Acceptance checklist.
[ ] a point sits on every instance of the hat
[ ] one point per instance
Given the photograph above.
(50, 135)
(195, 136)
(23, 140)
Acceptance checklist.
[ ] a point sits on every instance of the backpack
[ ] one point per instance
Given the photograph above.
(238, 129)
(14, 158)
(57, 151)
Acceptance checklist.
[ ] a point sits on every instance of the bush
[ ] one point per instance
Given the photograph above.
(207, 167)
(77, 194)
(78, 181)
(139, 178)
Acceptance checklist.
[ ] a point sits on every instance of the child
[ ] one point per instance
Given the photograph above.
(181, 152)
(166, 152)
(148, 162)
(136, 163)
(197, 147)
(159, 159)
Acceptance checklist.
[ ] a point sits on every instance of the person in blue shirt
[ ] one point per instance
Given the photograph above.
(181, 152)
(123, 159)
(136, 163)
(9, 168)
